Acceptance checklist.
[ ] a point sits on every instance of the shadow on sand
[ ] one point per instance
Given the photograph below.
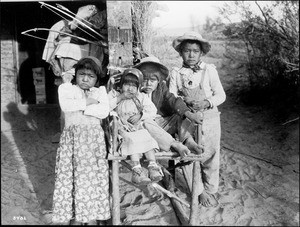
(29, 130)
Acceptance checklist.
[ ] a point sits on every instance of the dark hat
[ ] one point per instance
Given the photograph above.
(134, 72)
(205, 45)
(154, 61)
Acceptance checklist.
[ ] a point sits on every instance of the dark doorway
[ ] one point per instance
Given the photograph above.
(17, 17)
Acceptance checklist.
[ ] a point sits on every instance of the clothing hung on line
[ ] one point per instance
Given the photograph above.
(62, 54)
(191, 84)
(81, 190)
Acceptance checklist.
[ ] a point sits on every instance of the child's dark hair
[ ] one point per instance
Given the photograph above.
(89, 63)
(130, 79)
(131, 76)
(190, 41)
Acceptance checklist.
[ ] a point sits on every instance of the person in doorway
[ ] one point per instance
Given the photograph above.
(199, 85)
(81, 191)
(171, 110)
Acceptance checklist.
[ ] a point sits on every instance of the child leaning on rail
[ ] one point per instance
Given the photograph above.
(81, 191)
(134, 109)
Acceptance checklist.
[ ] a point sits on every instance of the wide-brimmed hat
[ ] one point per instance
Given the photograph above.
(152, 60)
(205, 45)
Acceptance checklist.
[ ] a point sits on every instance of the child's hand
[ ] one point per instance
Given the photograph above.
(200, 105)
(124, 95)
(67, 78)
(189, 101)
(90, 101)
(135, 118)
(195, 117)
(129, 95)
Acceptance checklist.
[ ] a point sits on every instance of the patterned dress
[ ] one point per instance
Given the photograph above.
(135, 138)
(81, 174)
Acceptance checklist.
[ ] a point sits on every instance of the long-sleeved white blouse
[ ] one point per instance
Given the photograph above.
(72, 101)
(185, 77)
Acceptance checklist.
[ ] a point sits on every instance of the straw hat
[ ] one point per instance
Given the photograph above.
(205, 46)
(154, 61)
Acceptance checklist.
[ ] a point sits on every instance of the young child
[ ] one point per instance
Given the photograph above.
(134, 109)
(199, 84)
(81, 173)
(171, 111)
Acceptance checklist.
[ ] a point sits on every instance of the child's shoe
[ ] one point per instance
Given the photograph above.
(155, 172)
(139, 176)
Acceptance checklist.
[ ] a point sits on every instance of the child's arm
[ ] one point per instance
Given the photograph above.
(114, 98)
(69, 100)
(218, 96)
(173, 85)
(101, 109)
(148, 112)
(149, 109)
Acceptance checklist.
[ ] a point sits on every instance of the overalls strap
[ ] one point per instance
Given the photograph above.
(201, 82)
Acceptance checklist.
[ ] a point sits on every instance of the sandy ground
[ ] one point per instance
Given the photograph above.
(259, 173)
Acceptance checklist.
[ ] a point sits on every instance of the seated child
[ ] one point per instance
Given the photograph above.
(133, 109)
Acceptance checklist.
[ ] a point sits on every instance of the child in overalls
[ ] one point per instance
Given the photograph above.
(81, 173)
(134, 109)
(199, 85)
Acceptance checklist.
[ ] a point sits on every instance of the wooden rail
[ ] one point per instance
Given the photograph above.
(191, 173)
(161, 156)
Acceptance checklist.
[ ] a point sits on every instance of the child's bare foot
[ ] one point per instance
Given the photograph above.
(193, 146)
(180, 148)
(207, 200)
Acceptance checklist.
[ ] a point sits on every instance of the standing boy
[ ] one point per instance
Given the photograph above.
(199, 85)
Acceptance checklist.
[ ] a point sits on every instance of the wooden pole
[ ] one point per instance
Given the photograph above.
(115, 178)
(116, 193)
(180, 212)
(188, 176)
(169, 184)
(195, 194)
(119, 28)
(162, 156)
(169, 194)
(196, 183)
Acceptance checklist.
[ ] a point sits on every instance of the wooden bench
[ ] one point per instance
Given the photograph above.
(192, 179)
(115, 158)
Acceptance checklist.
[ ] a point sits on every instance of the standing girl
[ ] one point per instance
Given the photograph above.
(81, 173)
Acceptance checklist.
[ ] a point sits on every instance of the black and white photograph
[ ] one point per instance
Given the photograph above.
(150, 113)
